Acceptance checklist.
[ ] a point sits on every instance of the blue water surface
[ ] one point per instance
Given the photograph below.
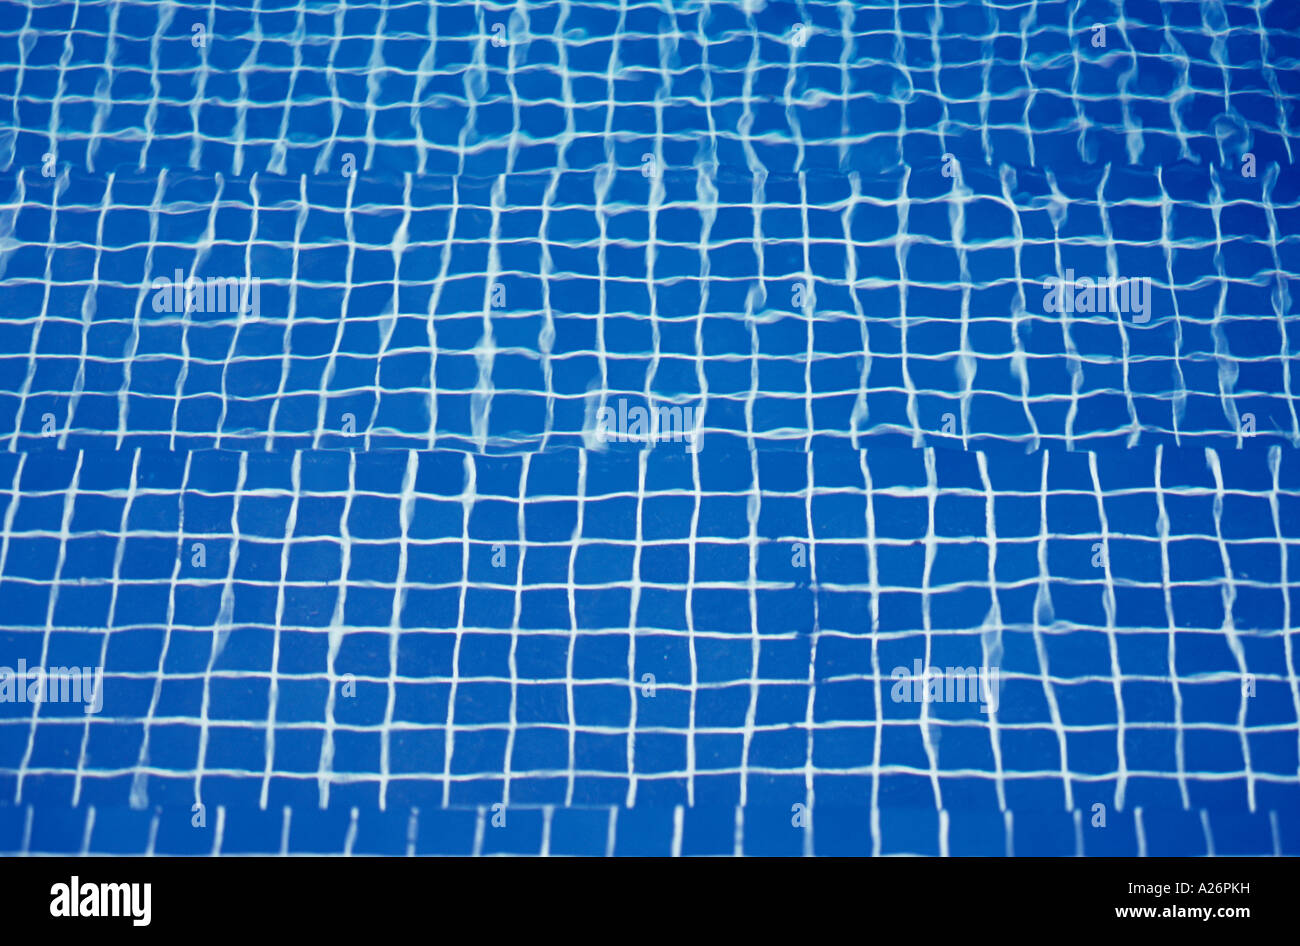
(360, 572)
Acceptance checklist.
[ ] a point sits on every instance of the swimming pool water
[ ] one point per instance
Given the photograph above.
(363, 577)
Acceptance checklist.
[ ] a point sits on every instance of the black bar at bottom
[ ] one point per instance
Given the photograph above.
(682, 897)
